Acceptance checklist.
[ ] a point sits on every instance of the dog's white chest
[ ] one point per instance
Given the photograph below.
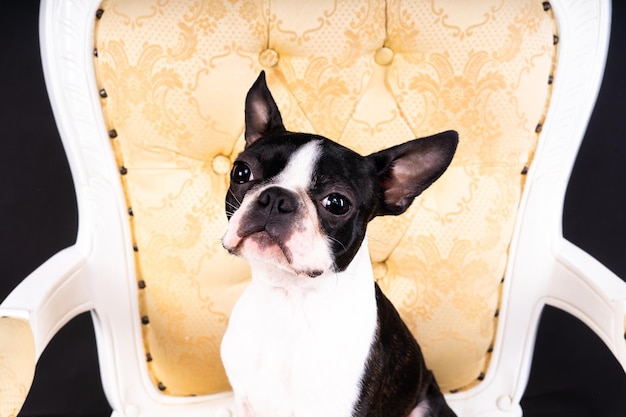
(298, 352)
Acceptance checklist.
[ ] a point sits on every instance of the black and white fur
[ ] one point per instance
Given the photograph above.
(313, 335)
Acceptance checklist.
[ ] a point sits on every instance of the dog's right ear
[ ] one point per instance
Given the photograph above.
(262, 115)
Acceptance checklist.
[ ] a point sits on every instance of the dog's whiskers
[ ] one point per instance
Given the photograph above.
(371, 239)
(231, 205)
(338, 241)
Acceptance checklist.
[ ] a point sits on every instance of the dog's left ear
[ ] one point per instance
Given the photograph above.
(405, 170)
(262, 115)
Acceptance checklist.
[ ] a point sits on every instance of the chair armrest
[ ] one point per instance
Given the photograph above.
(32, 313)
(588, 290)
(51, 295)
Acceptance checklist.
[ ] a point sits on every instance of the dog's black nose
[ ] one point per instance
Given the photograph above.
(274, 211)
(277, 201)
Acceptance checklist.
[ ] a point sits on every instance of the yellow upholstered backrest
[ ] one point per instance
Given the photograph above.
(367, 74)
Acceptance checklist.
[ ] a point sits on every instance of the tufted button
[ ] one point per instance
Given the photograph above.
(384, 56)
(269, 58)
(221, 164)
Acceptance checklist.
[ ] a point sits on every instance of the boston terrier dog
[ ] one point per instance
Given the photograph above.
(313, 335)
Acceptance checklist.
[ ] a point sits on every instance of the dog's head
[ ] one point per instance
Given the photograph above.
(301, 202)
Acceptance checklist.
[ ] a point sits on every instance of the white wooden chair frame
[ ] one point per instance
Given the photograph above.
(97, 273)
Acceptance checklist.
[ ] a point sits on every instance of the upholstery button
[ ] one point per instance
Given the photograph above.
(221, 164)
(268, 58)
(384, 56)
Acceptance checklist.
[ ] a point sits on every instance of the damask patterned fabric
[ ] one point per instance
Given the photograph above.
(17, 364)
(367, 74)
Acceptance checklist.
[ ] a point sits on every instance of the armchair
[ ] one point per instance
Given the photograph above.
(148, 99)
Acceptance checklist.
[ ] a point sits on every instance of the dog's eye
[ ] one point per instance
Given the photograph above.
(241, 173)
(336, 204)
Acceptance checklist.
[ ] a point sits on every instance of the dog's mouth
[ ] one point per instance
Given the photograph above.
(268, 243)
(263, 246)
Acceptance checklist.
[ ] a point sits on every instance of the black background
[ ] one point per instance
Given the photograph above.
(572, 374)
